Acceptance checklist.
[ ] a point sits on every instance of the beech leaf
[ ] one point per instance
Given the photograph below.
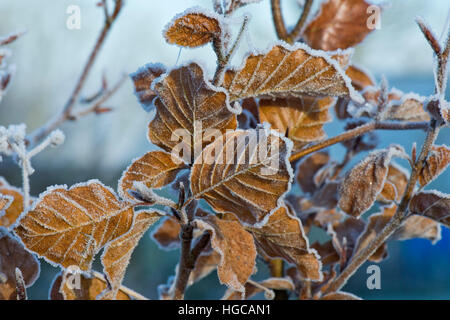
(432, 204)
(436, 163)
(307, 169)
(13, 203)
(395, 184)
(251, 289)
(143, 79)
(167, 235)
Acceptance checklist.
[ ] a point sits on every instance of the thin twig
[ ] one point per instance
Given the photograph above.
(278, 20)
(295, 34)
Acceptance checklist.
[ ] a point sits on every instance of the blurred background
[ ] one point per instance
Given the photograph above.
(49, 59)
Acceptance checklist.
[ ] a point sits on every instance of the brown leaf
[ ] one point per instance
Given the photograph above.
(327, 196)
(236, 247)
(5, 201)
(286, 71)
(340, 295)
(365, 181)
(118, 252)
(327, 252)
(70, 226)
(360, 79)
(191, 109)
(10, 213)
(325, 217)
(395, 184)
(251, 289)
(340, 24)
(206, 263)
(192, 29)
(432, 204)
(90, 288)
(167, 235)
(155, 169)
(436, 163)
(143, 79)
(345, 235)
(300, 119)
(283, 237)
(13, 255)
(408, 108)
(247, 175)
(308, 167)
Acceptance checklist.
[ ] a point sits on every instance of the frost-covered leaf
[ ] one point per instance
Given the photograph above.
(236, 248)
(436, 163)
(70, 226)
(432, 204)
(189, 109)
(251, 290)
(408, 108)
(192, 29)
(360, 79)
(340, 295)
(345, 235)
(395, 184)
(244, 172)
(167, 235)
(4, 202)
(286, 71)
(300, 119)
(206, 263)
(143, 79)
(365, 181)
(118, 252)
(90, 287)
(13, 255)
(340, 24)
(307, 169)
(13, 206)
(327, 252)
(155, 169)
(283, 237)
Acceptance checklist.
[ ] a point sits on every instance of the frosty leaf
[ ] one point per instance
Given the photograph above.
(365, 181)
(325, 217)
(327, 195)
(251, 289)
(155, 169)
(192, 29)
(360, 79)
(13, 255)
(408, 108)
(236, 248)
(432, 204)
(345, 235)
(70, 226)
(167, 235)
(90, 288)
(206, 263)
(143, 79)
(246, 173)
(340, 24)
(187, 107)
(308, 167)
(327, 252)
(10, 213)
(118, 252)
(436, 163)
(286, 71)
(419, 227)
(283, 237)
(301, 118)
(340, 295)
(395, 184)
(4, 202)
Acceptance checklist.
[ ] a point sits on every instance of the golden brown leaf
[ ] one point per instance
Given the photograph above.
(143, 79)
(10, 213)
(436, 163)
(189, 109)
(251, 289)
(307, 169)
(70, 226)
(408, 108)
(236, 248)
(340, 295)
(118, 252)
(13, 255)
(432, 204)
(283, 237)
(300, 119)
(340, 24)
(192, 30)
(360, 79)
(167, 235)
(286, 71)
(155, 169)
(365, 181)
(246, 172)
(395, 184)
(206, 263)
(327, 252)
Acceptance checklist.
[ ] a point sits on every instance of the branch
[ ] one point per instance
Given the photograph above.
(66, 112)
(298, 29)
(278, 21)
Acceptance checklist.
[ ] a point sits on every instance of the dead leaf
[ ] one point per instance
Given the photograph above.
(408, 108)
(118, 252)
(206, 263)
(340, 24)
(70, 226)
(189, 109)
(143, 79)
(13, 255)
(167, 235)
(155, 169)
(283, 237)
(308, 167)
(365, 181)
(360, 79)
(432, 204)
(327, 196)
(340, 295)
(300, 119)
(192, 29)
(10, 213)
(327, 252)
(286, 71)
(251, 289)
(236, 247)
(395, 184)
(344, 237)
(437, 161)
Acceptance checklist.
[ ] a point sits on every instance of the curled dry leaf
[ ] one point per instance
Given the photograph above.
(365, 181)
(143, 79)
(360, 79)
(244, 172)
(327, 196)
(432, 204)
(286, 71)
(340, 295)
(327, 252)
(155, 169)
(189, 109)
(408, 108)
(345, 235)
(283, 237)
(395, 184)
(206, 263)
(300, 119)
(236, 248)
(307, 169)
(340, 24)
(192, 29)
(251, 289)
(118, 252)
(70, 226)
(13, 255)
(436, 163)
(13, 206)
(167, 235)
